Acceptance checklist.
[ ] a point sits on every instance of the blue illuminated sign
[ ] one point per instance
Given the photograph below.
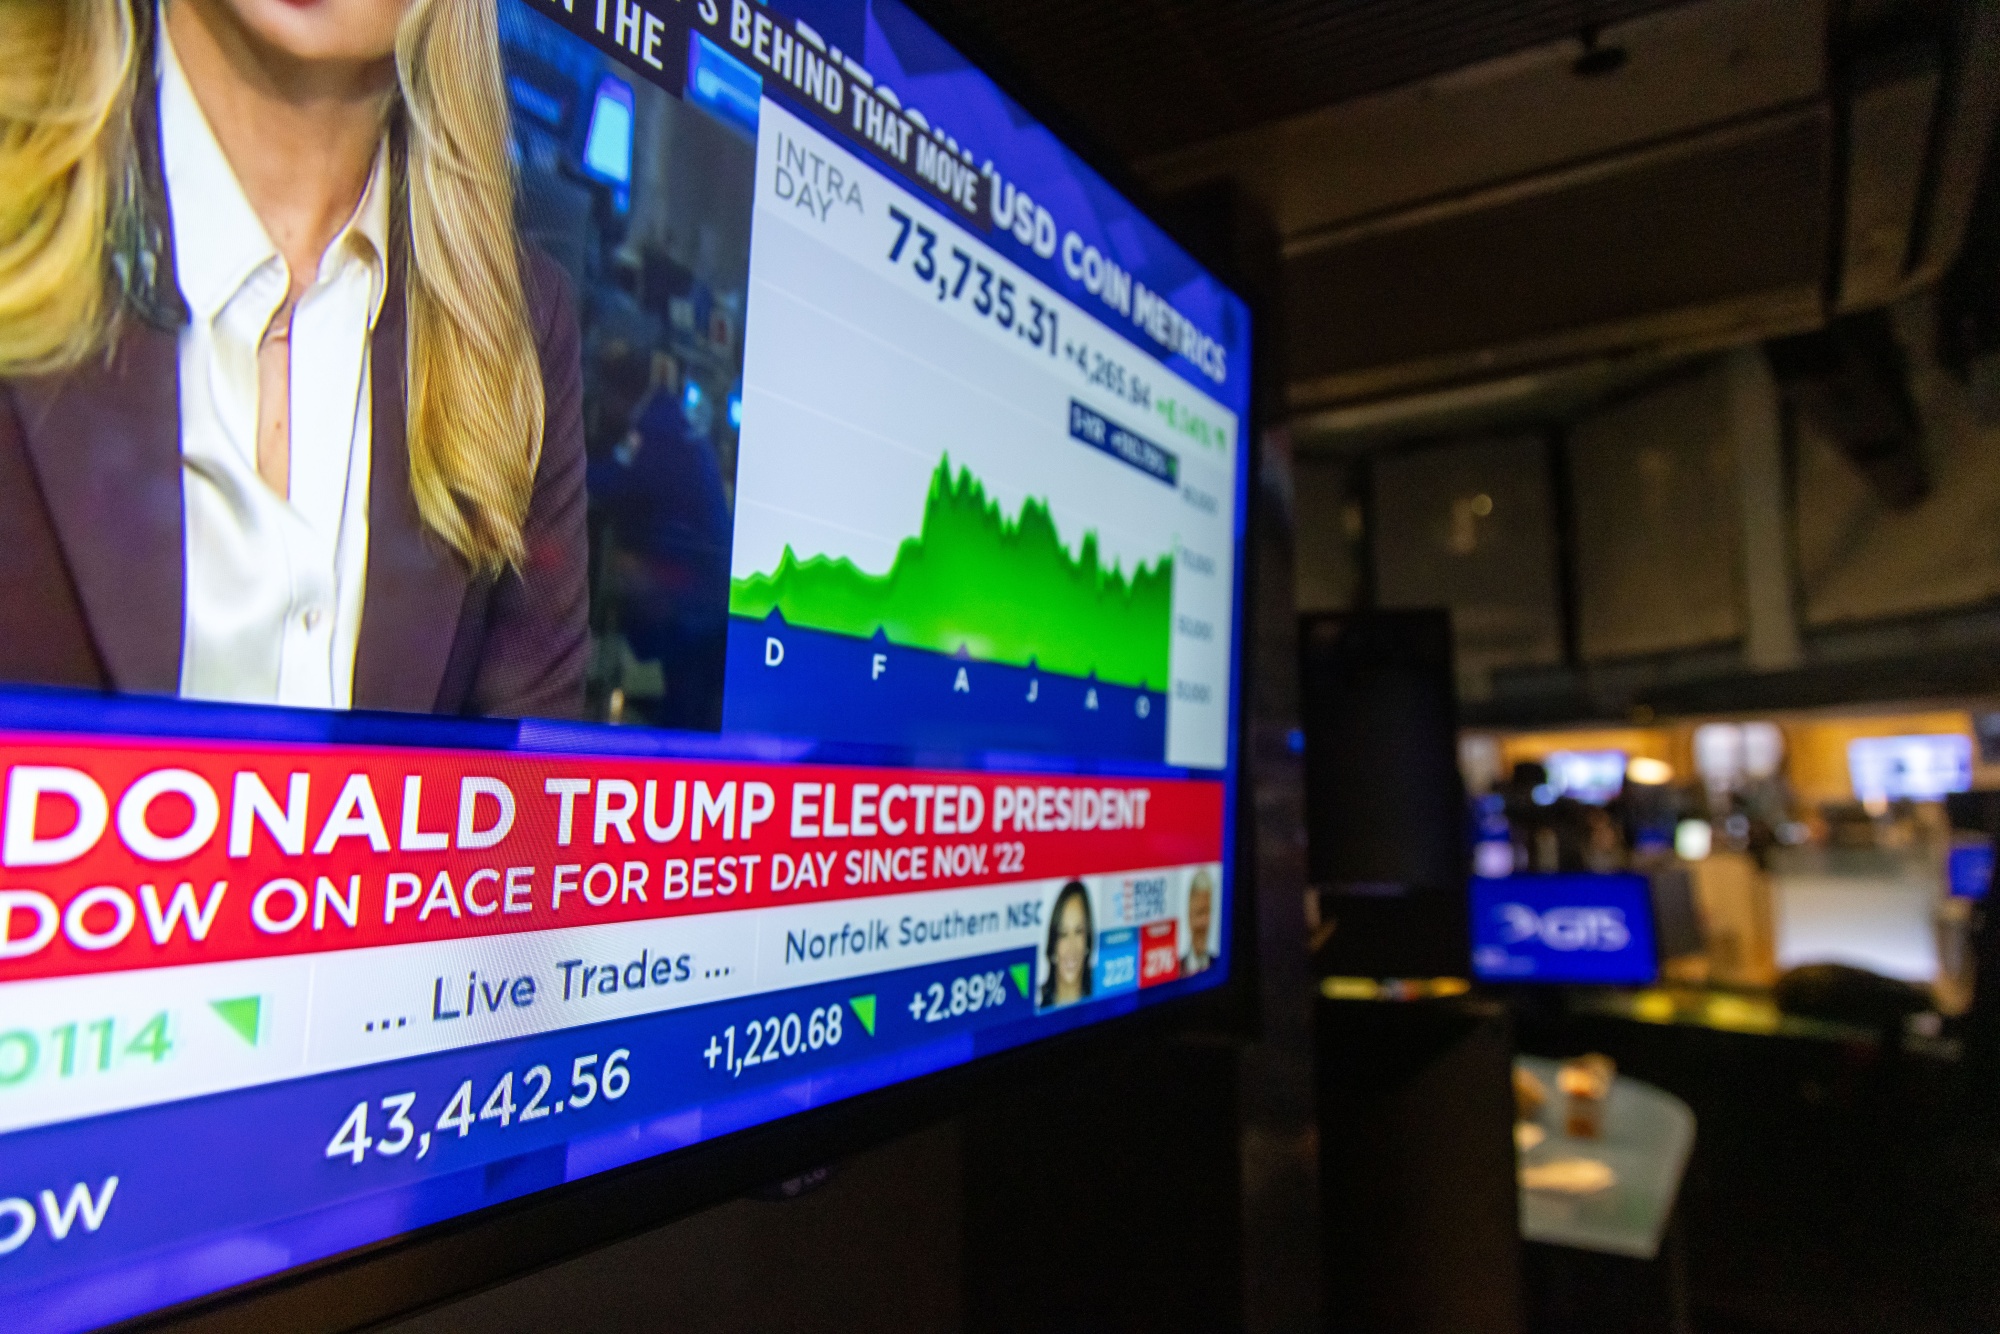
(1969, 870)
(1563, 928)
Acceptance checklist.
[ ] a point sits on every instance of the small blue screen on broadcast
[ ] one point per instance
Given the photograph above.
(1563, 928)
(607, 148)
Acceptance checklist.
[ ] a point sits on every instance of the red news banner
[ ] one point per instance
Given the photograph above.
(118, 855)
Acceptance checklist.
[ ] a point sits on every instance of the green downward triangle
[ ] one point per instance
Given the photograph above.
(864, 1010)
(241, 1014)
(1020, 972)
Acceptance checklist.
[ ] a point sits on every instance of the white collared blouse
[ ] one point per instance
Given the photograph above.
(274, 586)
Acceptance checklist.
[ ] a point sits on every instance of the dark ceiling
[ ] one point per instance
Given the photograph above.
(1139, 77)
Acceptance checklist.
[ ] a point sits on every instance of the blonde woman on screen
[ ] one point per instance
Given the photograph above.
(287, 413)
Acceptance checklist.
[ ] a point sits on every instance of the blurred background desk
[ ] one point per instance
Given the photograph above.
(1594, 1262)
(1648, 1135)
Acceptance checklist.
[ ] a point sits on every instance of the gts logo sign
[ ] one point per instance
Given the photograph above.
(1566, 929)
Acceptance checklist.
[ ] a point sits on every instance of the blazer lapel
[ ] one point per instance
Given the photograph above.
(416, 584)
(105, 440)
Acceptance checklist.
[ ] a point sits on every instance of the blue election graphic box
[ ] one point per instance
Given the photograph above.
(1563, 928)
(1117, 961)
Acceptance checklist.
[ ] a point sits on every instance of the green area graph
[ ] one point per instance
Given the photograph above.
(1003, 590)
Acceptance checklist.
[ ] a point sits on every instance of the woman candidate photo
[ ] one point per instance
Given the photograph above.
(287, 413)
(1072, 941)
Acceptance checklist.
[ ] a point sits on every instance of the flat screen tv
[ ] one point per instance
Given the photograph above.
(1595, 777)
(716, 607)
(1580, 928)
(1914, 768)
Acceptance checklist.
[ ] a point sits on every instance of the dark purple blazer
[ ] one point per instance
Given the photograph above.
(92, 550)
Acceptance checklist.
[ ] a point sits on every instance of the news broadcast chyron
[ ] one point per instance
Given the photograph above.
(859, 700)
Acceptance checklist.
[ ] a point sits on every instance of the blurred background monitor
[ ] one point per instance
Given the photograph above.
(1591, 776)
(1564, 928)
(1969, 870)
(1914, 768)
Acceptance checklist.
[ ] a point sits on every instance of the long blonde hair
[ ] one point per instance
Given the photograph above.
(69, 191)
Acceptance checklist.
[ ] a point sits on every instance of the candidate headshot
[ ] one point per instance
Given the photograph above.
(1200, 924)
(288, 415)
(1072, 941)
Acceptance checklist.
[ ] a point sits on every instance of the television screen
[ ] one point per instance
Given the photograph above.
(1564, 928)
(1593, 776)
(719, 594)
(1919, 768)
(1969, 870)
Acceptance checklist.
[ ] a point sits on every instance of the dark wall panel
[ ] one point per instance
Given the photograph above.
(1471, 526)
(1658, 534)
(1860, 559)
(1742, 218)
(1150, 76)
